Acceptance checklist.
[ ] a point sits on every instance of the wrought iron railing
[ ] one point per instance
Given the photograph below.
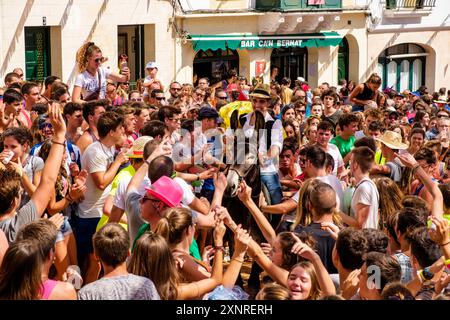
(417, 4)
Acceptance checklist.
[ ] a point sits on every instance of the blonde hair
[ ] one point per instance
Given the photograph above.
(307, 195)
(273, 291)
(390, 199)
(315, 291)
(153, 259)
(83, 53)
(172, 226)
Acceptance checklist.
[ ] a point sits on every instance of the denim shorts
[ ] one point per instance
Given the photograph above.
(84, 229)
(65, 230)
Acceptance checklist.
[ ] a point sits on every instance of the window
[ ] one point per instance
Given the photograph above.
(403, 66)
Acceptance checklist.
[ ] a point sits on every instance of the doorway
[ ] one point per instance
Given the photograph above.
(37, 53)
(130, 41)
(215, 64)
(291, 63)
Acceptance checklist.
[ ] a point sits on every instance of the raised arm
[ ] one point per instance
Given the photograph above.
(437, 207)
(323, 277)
(241, 241)
(201, 287)
(43, 192)
(244, 194)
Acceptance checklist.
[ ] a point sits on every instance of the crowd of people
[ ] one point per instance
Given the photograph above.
(110, 193)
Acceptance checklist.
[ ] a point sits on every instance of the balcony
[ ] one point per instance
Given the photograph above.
(409, 4)
(298, 5)
(408, 8)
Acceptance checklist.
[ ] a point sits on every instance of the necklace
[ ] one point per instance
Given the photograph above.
(110, 157)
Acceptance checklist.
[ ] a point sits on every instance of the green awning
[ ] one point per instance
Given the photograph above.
(248, 41)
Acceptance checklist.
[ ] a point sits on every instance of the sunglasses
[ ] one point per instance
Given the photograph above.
(160, 98)
(45, 125)
(98, 60)
(442, 115)
(222, 97)
(135, 99)
(176, 89)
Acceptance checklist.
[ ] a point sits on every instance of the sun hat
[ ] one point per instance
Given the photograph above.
(261, 91)
(392, 140)
(440, 100)
(137, 149)
(151, 65)
(166, 190)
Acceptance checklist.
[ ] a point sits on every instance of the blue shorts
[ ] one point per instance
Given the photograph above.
(84, 230)
(65, 230)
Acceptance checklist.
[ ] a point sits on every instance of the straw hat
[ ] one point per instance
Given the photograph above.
(440, 100)
(137, 149)
(261, 91)
(392, 140)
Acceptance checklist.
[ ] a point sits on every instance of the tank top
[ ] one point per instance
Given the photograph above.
(47, 288)
(366, 94)
(94, 138)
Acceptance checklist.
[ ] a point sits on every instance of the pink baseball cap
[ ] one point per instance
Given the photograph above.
(166, 190)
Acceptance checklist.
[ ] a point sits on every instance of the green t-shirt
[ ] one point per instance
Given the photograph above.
(193, 249)
(344, 146)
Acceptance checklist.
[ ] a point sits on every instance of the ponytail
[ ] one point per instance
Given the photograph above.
(83, 53)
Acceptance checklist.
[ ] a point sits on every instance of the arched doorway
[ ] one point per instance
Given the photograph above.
(343, 64)
(403, 66)
(215, 64)
(291, 63)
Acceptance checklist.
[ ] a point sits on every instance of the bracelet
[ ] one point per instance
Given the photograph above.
(415, 167)
(219, 248)
(447, 263)
(147, 162)
(238, 260)
(443, 245)
(60, 143)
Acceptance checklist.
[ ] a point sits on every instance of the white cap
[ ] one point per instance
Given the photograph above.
(301, 79)
(151, 65)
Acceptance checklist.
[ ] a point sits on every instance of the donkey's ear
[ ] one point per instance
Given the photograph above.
(234, 120)
(260, 121)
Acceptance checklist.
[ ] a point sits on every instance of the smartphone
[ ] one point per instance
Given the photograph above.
(123, 65)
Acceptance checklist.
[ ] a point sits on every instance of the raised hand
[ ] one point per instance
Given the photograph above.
(57, 120)
(331, 228)
(351, 284)
(302, 249)
(220, 181)
(244, 192)
(219, 232)
(207, 174)
(81, 178)
(241, 240)
(57, 220)
(440, 234)
(122, 157)
(266, 248)
(407, 159)
(208, 254)
(222, 214)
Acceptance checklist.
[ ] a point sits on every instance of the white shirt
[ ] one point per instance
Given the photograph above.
(336, 154)
(335, 184)
(366, 193)
(89, 83)
(96, 158)
(270, 165)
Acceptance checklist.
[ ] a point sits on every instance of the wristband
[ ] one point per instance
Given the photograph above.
(60, 143)
(443, 245)
(219, 248)
(238, 260)
(415, 167)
